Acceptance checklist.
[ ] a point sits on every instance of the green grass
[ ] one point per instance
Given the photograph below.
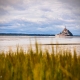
(39, 65)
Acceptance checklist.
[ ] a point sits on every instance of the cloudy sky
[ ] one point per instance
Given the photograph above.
(39, 16)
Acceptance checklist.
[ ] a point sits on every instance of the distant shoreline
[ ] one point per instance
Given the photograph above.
(19, 34)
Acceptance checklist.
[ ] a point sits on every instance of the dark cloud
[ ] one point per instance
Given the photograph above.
(46, 9)
(16, 4)
(73, 3)
(10, 2)
(3, 12)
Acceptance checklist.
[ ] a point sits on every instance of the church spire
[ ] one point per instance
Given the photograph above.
(65, 27)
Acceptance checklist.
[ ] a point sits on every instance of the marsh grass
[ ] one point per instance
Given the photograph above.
(58, 64)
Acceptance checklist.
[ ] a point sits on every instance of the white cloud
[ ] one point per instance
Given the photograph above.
(37, 12)
(78, 27)
(62, 27)
(45, 28)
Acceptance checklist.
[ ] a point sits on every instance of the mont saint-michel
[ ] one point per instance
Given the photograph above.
(64, 33)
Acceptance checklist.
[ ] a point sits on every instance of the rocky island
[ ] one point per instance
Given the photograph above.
(64, 33)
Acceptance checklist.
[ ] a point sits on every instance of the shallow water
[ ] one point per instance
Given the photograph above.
(7, 42)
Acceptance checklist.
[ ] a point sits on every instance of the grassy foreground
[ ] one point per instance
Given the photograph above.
(39, 65)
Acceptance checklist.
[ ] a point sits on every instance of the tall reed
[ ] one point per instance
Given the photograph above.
(39, 65)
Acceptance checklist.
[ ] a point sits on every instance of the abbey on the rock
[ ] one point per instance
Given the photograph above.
(65, 32)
